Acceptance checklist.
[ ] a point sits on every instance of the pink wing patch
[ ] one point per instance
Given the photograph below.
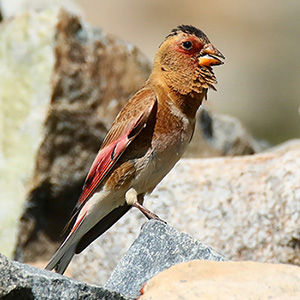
(119, 137)
(109, 155)
(103, 162)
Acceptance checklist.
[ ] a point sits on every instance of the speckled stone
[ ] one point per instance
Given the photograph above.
(157, 248)
(20, 281)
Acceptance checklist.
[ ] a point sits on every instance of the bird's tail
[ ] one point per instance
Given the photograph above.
(62, 257)
(66, 251)
(81, 236)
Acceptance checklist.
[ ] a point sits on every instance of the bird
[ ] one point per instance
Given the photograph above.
(147, 138)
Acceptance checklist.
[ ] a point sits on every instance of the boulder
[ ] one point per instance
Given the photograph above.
(26, 65)
(20, 281)
(12, 8)
(247, 208)
(224, 280)
(226, 136)
(158, 247)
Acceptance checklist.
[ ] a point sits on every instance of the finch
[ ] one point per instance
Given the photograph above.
(147, 138)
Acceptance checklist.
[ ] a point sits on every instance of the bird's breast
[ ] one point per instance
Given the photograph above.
(172, 133)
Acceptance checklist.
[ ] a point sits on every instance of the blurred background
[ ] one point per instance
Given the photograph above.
(260, 81)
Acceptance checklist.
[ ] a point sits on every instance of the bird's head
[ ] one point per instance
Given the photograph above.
(185, 60)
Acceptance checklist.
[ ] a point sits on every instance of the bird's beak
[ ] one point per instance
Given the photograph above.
(209, 56)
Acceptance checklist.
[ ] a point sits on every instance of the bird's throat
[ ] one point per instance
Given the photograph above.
(188, 104)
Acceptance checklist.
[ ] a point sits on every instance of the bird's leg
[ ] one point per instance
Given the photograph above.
(149, 214)
(132, 198)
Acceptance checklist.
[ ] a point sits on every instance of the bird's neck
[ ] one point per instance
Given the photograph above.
(188, 104)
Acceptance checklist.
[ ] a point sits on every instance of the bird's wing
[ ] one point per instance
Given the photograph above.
(128, 124)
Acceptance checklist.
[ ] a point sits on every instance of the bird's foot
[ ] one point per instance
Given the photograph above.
(149, 214)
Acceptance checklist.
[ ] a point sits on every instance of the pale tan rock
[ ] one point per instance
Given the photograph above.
(246, 208)
(291, 145)
(11, 8)
(26, 65)
(224, 280)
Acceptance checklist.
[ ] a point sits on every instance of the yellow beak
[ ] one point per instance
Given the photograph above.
(209, 56)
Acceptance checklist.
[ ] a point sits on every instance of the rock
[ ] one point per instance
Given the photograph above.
(224, 280)
(11, 8)
(94, 75)
(221, 135)
(20, 281)
(226, 136)
(247, 208)
(26, 65)
(157, 248)
(291, 145)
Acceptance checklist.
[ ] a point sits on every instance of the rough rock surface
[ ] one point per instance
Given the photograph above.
(291, 145)
(26, 65)
(20, 281)
(224, 280)
(93, 76)
(226, 136)
(247, 208)
(157, 248)
(12, 8)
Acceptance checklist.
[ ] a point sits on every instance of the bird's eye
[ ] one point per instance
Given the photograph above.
(187, 45)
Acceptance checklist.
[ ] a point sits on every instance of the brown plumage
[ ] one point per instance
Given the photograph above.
(145, 141)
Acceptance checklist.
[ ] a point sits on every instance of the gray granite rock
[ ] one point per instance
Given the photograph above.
(158, 247)
(21, 281)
